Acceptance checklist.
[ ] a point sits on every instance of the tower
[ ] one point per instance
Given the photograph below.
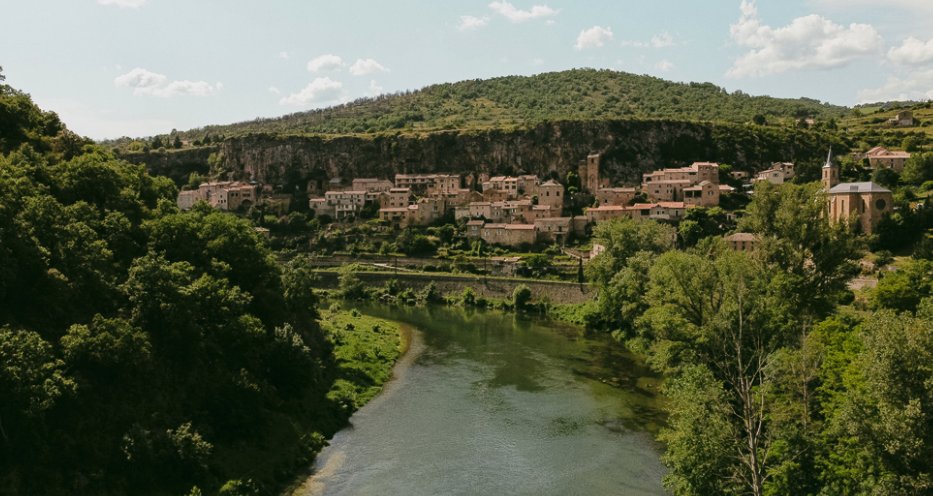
(830, 175)
(589, 172)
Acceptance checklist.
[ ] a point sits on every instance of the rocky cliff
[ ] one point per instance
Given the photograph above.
(176, 164)
(629, 147)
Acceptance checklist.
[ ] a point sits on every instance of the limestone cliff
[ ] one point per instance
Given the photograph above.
(629, 147)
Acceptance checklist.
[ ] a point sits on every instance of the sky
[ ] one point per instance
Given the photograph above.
(115, 68)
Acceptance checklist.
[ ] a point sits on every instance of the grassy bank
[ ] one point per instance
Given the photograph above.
(366, 349)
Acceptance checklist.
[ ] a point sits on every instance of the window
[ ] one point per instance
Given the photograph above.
(880, 204)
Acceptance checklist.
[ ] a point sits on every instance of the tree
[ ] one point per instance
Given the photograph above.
(720, 311)
(912, 143)
(106, 346)
(815, 258)
(903, 289)
(623, 238)
(884, 425)
(700, 439)
(536, 265)
(572, 181)
(176, 143)
(521, 296)
(759, 120)
(623, 299)
(162, 319)
(349, 285)
(298, 282)
(468, 297)
(886, 177)
(918, 169)
(700, 223)
(32, 380)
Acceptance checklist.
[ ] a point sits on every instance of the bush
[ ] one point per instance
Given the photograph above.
(350, 286)
(521, 297)
(468, 297)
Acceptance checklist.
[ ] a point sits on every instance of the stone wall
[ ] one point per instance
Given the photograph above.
(501, 288)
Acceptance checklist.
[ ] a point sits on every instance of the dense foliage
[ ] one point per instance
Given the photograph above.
(143, 350)
(580, 94)
(772, 389)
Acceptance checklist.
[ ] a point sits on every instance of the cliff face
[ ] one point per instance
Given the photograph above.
(176, 164)
(628, 147)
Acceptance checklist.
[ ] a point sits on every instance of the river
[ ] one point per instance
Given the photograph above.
(493, 403)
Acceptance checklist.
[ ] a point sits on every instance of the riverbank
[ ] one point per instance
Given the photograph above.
(497, 403)
(366, 349)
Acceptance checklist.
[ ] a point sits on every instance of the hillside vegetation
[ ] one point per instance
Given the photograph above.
(870, 124)
(144, 350)
(503, 102)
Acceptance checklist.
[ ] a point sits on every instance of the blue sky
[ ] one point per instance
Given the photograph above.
(139, 67)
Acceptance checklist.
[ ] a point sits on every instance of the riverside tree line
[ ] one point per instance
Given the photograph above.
(144, 350)
(776, 382)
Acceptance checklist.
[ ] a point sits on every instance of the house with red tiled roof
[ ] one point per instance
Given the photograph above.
(880, 157)
(669, 184)
(606, 212)
(743, 241)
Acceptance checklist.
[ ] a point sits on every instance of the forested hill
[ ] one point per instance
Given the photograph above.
(144, 350)
(504, 102)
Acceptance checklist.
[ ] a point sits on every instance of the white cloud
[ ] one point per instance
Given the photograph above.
(919, 5)
(375, 89)
(274, 90)
(145, 82)
(912, 52)
(468, 22)
(515, 14)
(282, 55)
(363, 67)
(134, 4)
(810, 42)
(325, 63)
(537, 62)
(140, 78)
(661, 40)
(664, 65)
(596, 36)
(319, 91)
(918, 86)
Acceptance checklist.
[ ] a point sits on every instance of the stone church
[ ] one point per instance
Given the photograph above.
(865, 202)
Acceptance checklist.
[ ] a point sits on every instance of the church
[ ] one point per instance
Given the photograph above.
(864, 202)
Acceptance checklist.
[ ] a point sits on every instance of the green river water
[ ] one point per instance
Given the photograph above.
(493, 403)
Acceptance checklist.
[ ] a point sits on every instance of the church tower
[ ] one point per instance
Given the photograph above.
(830, 172)
(589, 172)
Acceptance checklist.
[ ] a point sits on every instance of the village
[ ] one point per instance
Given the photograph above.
(524, 210)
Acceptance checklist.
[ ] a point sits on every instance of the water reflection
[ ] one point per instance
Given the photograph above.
(500, 404)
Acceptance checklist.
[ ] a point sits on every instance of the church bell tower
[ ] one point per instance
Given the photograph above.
(830, 176)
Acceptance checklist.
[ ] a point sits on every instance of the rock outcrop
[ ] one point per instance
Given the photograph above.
(629, 147)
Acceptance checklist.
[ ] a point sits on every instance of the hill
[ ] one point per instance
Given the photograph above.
(869, 124)
(520, 101)
(131, 363)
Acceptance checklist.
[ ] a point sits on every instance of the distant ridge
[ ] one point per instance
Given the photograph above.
(522, 101)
